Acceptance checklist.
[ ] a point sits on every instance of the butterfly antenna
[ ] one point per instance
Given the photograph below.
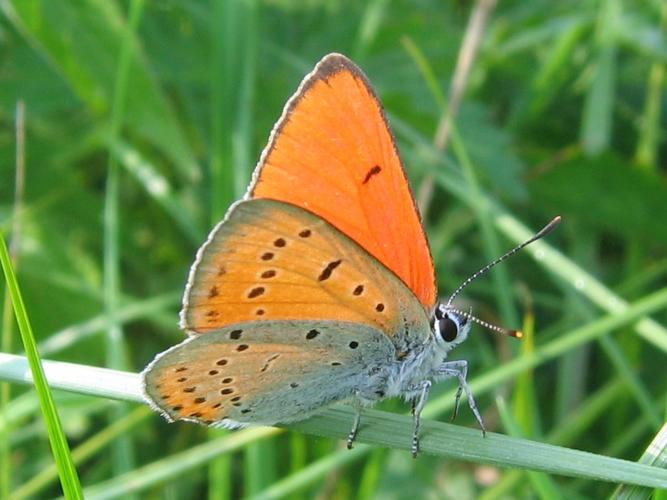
(541, 234)
(498, 329)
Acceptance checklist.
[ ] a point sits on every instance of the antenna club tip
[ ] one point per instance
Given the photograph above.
(517, 334)
(553, 224)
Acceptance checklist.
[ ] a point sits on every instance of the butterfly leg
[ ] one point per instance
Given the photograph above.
(464, 372)
(417, 407)
(355, 424)
(459, 370)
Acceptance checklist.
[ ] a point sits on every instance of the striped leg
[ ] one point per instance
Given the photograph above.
(459, 369)
(417, 407)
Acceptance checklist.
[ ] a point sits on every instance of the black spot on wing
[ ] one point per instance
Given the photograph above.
(312, 334)
(256, 292)
(372, 172)
(326, 272)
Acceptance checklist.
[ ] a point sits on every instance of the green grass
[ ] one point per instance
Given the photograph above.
(69, 479)
(143, 122)
(379, 428)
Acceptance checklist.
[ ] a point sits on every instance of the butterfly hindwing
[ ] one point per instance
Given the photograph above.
(333, 153)
(271, 260)
(265, 372)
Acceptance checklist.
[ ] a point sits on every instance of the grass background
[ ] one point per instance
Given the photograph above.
(143, 122)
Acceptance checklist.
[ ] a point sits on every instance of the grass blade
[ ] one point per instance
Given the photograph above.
(387, 429)
(649, 126)
(482, 384)
(122, 450)
(69, 478)
(655, 454)
(598, 107)
(8, 330)
(167, 469)
(551, 259)
(83, 452)
(542, 483)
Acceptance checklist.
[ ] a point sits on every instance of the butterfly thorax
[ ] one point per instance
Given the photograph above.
(420, 350)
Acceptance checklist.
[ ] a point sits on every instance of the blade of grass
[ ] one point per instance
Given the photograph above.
(73, 412)
(122, 452)
(132, 310)
(232, 87)
(648, 142)
(372, 473)
(585, 415)
(314, 472)
(554, 70)
(524, 402)
(622, 366)
(460, 443)
(655, 454)
(466, 58)
(26, 406)
(631, 436)
(84, 451)
(227, 179)
(479, 385)
(259, 461)
(598, 105)
(542, 483)
(556, 348)
(447, 131)
(69, 479)
(298, 449)
(169, 468)
(157, 186)
(576, 423)
(383, 429)
(584, 283)
(56, 29)
(369, 24)
(639, 391)
(7, 320)
(551, 259)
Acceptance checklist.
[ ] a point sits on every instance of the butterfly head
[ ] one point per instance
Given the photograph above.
(450, 327)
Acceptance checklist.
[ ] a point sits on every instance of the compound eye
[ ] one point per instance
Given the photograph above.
(448, 329)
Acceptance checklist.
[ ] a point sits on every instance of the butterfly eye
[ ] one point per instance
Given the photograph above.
(448, 329)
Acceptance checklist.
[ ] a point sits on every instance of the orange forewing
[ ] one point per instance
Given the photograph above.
(332, 153)
(271, 260)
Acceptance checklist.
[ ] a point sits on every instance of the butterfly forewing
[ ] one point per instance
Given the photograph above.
(265, 372)
(332, 152)
(272, 260)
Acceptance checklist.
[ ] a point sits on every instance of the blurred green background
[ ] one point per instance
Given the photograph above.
(562, 112)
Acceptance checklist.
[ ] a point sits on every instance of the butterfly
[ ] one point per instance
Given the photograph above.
(319, 285)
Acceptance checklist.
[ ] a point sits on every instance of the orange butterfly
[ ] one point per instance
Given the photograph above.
(319, 286)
